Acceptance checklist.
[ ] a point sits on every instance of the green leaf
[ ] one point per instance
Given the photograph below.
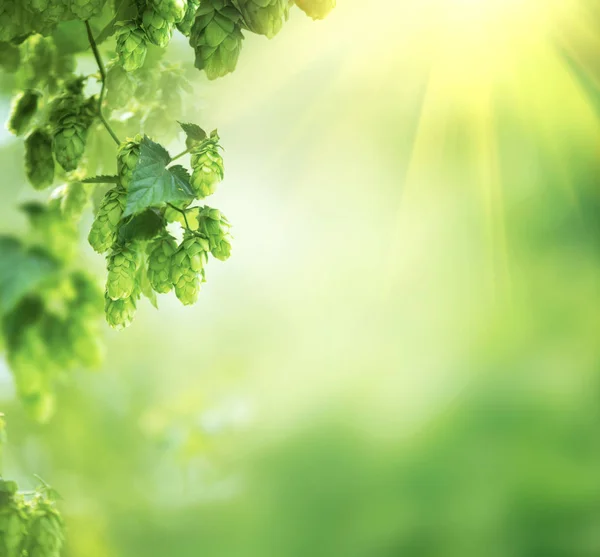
(181, 172)
(144, 226)
(101, 180)
(21, 271)
(193, 132)
(152, 184)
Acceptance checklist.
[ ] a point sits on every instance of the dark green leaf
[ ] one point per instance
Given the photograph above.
(193, 131)
(101, 180)
(144, 226)
(152, 184)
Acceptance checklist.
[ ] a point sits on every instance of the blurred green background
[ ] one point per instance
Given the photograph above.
(402, 356)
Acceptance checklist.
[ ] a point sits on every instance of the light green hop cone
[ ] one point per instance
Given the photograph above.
(104, 228)
(39, 162)
(216, 37)
(207, 165)
(160, 253)
(38, 60)
(215, 227)
(84, 9)
(70, 136)
(171, 10)
(317, 9)
(158, 30)
(23, 109)
(127, 159)
(264, 17)
(131, 46)
(186, 266)
(185, 25)
(45, 529)
(122, 265)
(120, 85)
(119, 313)
(13, 522)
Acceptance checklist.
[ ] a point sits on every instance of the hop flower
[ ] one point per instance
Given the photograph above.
(264, 17)
(23, 110)
(207, 165)
(131, 46)
(186, 265)
(171, 10)
(70, 135)
(38, 60)
(104, 228)
(45, 536)
(39, 163)
(185, 25)
(159, 263)
(84, 9)
(123, 263)
(216, 227)
(317, 9)
(120, 85)
(216, 37)
(127, 159)
(119, 313)
(13, 521)
(158, 30)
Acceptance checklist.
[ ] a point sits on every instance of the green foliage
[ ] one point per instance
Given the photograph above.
(39, 162)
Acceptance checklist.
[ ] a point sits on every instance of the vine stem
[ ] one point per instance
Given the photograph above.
(183, 153)
(183, 212)
(103, 79)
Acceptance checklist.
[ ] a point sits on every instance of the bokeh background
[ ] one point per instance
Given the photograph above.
(402, 356)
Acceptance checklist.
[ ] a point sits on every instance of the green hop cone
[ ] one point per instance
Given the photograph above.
(317, 9)
(171, 10)
(39, 163)
(13, 521)
(122, 266)
(207, 165)
(159, 263)
(45, 529)
(216, 227)
(158, 30)
(120, 85)
(131, 46)
(264, 17)
(84, 9)
(127, 159)
(216, 37)
(119, 313)
(104, 228)
(23, 109)
(185, 25)
(70, 136)
(186, 265)
(38, 60)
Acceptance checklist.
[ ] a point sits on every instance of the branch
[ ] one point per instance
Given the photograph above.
(103, 79)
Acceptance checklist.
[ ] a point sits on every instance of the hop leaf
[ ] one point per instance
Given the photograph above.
(171, 10)
(317, 9)
(264, 17)
(207, 165)
(104, 228)
(122, 267)
(216, 38)
(186, 265)
(160, 253)
(119, 313)
(23, 110)
(127, 158)
(158, 30)
(131, 46)
(39, 163)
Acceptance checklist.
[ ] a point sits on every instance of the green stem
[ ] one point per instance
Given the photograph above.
(103, 79)
(183, 212)
(183, 153)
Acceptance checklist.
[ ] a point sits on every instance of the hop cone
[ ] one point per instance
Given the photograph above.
(317, 9)
(187, 262)
(264, 17)
(70, 135)
(131, 46)
(120, 85)
(45, 536)
(38, 60)
(158, 30)
(84, 9)
(127, 159)
(88, 296)
(23, 110)
(185, 25)
(12, 521)
(216, 38)
(119, 313)
(122, 267)
(207, 165)
(171, 10)
(104, 228)
(216, 227)
(39, 163)
(159, 263)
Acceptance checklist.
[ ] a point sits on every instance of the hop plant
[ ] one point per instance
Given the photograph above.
(13, 520)
(216, 37)
(186, 265)
(185, 25)
(127, 159)
(123, 263)
(84, 9)
(160, 253)
(38, 59)
(9, 57)
(120, 85)
(317, 9)
(70, 135)
(23, 110)
(39, 163)
(207, 165)
(171, 10)
(215, 227)
(45, 536)
(119, 313)
(104, 228)
(264, 17)
(131, 46)
(158, 30)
